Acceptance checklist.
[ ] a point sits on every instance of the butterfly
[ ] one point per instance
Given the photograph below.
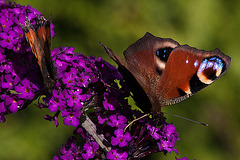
(161, 72)
(39, 38)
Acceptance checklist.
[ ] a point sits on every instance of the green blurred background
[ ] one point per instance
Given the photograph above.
(118, 23)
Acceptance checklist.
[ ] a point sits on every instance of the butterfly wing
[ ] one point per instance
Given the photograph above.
(139, 95)
(138, 68)
(161, 72)
(188, 70)
(39, 38)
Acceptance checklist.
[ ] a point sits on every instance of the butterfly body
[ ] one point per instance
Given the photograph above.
(161, 72)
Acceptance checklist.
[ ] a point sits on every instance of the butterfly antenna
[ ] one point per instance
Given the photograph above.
(50, 18)
(145, 115)
(204, 124)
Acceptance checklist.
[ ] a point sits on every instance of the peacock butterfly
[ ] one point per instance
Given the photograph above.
(39, 38)
(161, 72)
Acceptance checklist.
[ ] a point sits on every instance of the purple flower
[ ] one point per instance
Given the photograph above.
(12, 103)
(19, 31)
(52, 30)
(6, 66)
(116, 154)
(121, 138)
(32, 11)
(170, 131)
(74, 98)
(6, 22)
(71, 117)
(8, 39)
(109, 72)
(117, 121)
(107, 103)
(69, 78)
(90, 148)
(7, 82)
(83, 80)
(154, 132)
(102, 118)
(168, 137)
(26, 89)
(167, 145)
(57, 101)
(69, 151)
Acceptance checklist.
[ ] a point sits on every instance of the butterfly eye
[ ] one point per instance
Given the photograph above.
(164, 53)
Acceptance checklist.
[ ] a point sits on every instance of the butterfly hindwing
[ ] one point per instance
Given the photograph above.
(188, 70)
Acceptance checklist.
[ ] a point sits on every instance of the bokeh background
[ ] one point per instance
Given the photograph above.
(203, 24)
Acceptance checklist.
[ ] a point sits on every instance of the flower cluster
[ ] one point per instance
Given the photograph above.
(74, 86)
(141, 140)
(19, 72)
(85, 86)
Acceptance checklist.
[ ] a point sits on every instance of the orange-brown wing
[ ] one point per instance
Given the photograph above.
(188, 70)
(161, 72)
(39, 38)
